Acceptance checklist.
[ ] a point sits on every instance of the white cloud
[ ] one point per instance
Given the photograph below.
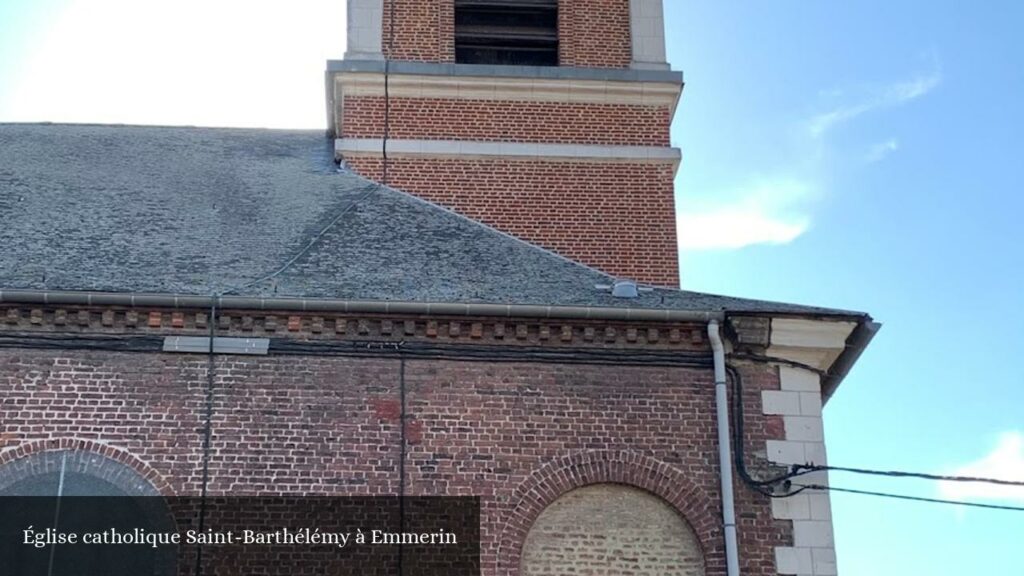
(1004, 462)
(778, 212)
(886, 97)
(197, 62)
(881, 150)
(765, 213)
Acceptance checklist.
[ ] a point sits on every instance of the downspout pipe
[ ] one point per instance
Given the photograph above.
(732, 559)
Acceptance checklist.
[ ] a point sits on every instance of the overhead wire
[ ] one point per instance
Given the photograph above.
(778, 486)
(908, 497)
(765, 487)
(366, 191)
(768, 487)
(776, 360)
(207, 432)
(387, 92)
(487, 353)
(403, 421)
(810, 468)
(483, 353)
(109, 343)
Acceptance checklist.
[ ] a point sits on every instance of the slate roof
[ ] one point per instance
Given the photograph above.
(199, 211)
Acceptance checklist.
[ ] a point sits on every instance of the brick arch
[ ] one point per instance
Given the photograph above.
(118, 455)
(559, 476)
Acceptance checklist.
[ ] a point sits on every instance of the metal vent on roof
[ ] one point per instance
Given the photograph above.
(624, 288)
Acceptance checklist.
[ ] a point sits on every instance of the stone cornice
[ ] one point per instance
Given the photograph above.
(816, 343)
(635, 93)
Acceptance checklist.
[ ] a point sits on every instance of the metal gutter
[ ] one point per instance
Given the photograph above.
(56, 297)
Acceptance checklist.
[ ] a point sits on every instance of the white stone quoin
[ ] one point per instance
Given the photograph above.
(647, 28)
(799, 403)
(365, 25)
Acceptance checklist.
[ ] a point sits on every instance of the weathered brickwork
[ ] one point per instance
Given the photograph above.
(518, 434)
(594, 33)
(617, 217)
(614, 214)
(591, 33)
(423, 30)
(141, 406)
(507, 121)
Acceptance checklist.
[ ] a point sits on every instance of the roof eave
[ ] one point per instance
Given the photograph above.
(92, 298)
(856, 343)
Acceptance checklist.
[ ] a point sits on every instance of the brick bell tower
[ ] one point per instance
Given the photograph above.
(547, 119)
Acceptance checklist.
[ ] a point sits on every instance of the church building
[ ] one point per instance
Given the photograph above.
(468, 287)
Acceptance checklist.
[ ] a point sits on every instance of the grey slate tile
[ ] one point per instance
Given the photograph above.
(207, 210)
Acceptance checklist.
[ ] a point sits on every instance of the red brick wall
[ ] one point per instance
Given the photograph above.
(592, 33)
(516, 434)
(617, 217)
(758, 428)
(424, 30)
(496, 120)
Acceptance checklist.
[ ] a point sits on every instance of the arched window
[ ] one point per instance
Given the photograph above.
(79, 492)
(611, 529)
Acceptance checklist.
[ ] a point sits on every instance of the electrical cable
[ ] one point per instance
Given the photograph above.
(775, 360)
(387, 92)
(488, 353)
(207, 433)
(809, 468)
(911, 498)
(366, 191)
(766, 487)
(109, 343)
(476, 353)
(381, 349)
(763, 487)
(401, 460)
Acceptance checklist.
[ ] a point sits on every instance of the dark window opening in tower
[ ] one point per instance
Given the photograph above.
(517, 32)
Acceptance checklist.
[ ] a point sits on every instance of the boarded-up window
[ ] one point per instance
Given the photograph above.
(523, 32)
(611, 530)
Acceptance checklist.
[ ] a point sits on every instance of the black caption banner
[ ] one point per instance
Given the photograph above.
(226, 536)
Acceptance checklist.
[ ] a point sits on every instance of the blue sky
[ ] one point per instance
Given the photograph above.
(862, 155)
(867, 155)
